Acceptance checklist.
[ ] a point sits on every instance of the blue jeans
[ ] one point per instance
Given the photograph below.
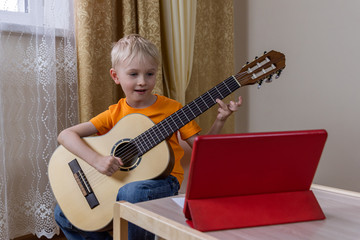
(132, 192)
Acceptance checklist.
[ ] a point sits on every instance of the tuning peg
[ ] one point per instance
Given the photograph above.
(256, 57)
(265, 52)
(269, 78)
(278, 74)
(260, 83)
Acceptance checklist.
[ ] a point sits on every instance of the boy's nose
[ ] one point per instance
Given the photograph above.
(141, 80)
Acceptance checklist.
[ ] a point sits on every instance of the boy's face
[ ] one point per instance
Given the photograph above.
(137, 79)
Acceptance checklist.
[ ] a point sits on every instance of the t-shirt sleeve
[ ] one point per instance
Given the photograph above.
(103, 122)
(189, 130)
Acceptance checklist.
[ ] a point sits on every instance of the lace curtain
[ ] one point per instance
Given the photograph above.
(38, 87)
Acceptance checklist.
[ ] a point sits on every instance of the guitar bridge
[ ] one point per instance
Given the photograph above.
(83, 184)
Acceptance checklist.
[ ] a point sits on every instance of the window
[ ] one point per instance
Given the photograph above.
(39, 13)
(14, 5)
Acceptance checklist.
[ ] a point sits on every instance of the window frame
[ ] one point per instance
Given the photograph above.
(36, 11)
(24, 21)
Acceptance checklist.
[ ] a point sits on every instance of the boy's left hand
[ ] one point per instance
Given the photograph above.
(225, 110)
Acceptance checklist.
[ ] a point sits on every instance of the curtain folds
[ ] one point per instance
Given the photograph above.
(213, 59)
(38, 98)
(95, 32)
(99, 24)
(178, 35)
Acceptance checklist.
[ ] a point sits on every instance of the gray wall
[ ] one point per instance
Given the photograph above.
(319, 87)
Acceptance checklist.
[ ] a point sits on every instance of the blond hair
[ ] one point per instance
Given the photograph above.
(131, 46)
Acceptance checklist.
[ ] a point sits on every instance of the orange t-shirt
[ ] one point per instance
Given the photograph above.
(161, 109)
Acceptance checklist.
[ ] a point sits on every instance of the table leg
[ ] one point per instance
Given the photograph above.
(120, 225)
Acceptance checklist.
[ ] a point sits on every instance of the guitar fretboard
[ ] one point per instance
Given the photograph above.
(159, 132)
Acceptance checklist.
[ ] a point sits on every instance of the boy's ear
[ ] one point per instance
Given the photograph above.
(114, 76)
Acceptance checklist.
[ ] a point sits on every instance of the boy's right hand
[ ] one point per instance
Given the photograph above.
(107, 165)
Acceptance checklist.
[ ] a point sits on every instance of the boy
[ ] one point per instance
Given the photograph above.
(135, 62)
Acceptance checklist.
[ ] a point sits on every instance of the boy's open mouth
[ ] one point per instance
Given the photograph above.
(140, 91)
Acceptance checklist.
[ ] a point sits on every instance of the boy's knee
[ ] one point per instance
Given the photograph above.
(60, 219)
(133, 192)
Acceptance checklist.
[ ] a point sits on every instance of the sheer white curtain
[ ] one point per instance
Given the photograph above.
(38, 98)
(178, 19)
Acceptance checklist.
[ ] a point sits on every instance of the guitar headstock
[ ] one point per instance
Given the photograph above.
(262, 68)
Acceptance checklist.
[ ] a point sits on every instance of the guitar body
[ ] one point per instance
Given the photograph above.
(66, 189)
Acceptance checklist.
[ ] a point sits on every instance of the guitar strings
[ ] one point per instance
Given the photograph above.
(130, 151)
(240, 77)
(99, 178)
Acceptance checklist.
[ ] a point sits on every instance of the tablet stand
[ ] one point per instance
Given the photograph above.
(253, 210)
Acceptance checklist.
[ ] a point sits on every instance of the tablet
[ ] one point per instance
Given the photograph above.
(235, 165)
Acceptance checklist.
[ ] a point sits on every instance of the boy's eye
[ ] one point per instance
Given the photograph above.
(133, 74)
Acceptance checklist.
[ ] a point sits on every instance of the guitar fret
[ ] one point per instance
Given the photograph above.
(177, 127)
(211, 96)
(157, 126)
(236, 81)
(191, 110)
(166, 120)
(223, 89)
(142, 143)
(185, 119)
(222, 97)
(215, 94)
(204, 101)
(156, 135)
(227, 87)
(185, 114)
(152, 135)
(168, 126)
(149, 137)
(197, 106)
(147, 140)
(139, 144)
(202, 104)
(233, 83)
(177, 114)
(163, 126)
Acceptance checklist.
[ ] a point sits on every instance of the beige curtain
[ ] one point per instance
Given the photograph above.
(178, 36)
(213, 55)
(99, 24)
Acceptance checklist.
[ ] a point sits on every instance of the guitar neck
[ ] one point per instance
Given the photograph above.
(180, 118)
(255, 72)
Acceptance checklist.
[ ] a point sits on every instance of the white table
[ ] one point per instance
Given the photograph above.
(166, 219)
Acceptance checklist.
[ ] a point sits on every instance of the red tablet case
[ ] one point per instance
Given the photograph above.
(253, 179)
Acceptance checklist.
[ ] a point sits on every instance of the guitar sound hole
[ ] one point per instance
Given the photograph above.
(128, 153)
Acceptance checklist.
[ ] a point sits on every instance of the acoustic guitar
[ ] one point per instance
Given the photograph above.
(86, 196)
